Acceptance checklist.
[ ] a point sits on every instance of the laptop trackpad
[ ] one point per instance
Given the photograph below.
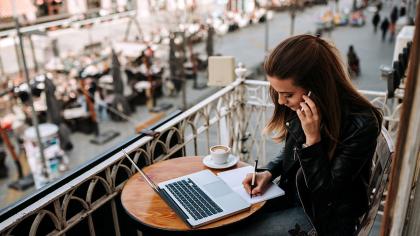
(217, 189)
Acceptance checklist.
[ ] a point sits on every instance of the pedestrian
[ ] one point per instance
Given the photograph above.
(379, 5)
(394, 15)
(393, 21)
(329, 131)
(384, 28)
(392, 29)
(210, 41)
(375, 21)
(402, 11)
(353, 61)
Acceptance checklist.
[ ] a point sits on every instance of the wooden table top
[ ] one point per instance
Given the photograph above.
(144, 205)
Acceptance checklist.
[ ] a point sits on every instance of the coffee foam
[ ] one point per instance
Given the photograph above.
(219, 149)
(216, 150)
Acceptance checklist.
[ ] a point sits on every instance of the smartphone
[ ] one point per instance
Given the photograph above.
(309, 95)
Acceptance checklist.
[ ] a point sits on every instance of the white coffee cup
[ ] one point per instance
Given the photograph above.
(219, 154)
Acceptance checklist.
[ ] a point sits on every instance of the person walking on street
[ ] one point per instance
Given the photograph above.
(393, 18)
(394, 15)
(402, 11)
(375, 21)
(379, 6)
(384, 28)
(392, 29)
(353, 62)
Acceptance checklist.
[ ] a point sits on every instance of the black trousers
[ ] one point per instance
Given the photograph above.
(275, 218)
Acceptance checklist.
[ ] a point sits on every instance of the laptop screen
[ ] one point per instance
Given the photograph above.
(148, 180)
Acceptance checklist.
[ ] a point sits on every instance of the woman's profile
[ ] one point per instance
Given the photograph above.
(329, 137)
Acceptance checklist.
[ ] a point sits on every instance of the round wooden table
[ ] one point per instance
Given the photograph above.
(147, 208)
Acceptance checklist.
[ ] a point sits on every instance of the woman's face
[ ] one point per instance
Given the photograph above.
(288, 94)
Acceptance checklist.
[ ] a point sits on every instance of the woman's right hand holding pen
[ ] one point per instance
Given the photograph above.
(262, 180)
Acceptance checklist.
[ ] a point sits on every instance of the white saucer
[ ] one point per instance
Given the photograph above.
(231, 161)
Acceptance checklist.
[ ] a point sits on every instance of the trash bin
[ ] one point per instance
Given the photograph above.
(55, 158)
(386, 74)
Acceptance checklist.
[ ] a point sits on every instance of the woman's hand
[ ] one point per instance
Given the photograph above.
(261, 182)
(310, 120)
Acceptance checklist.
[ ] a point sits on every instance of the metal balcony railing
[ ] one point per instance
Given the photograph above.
(87, 201)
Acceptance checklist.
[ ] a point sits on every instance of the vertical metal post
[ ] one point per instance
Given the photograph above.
(1, 67)
(149, 4)
(292, 19)
(263, 156)
(337, 8)
(31, 102)
(150, 103)
(354, 5)
(184, 88)
(181, 59)
(241, 115)
(127, 30)
(137, 25)
(267, 33)
(19, 61)
(31, 44)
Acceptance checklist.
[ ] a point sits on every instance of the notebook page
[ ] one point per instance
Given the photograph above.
(234, 179)
(272, 192)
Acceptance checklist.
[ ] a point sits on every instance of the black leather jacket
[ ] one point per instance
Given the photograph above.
(333, 193)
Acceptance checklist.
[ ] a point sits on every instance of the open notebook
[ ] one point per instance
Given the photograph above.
(234, 179)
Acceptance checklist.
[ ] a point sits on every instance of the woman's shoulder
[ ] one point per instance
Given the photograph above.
(361, 120)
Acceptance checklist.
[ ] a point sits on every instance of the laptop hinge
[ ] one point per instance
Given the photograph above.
(172, 204)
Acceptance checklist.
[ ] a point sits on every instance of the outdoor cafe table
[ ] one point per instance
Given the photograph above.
(145, 207)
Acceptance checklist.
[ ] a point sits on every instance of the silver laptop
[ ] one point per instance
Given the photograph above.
(199, 198)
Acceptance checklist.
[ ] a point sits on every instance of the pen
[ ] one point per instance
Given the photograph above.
(253, 178)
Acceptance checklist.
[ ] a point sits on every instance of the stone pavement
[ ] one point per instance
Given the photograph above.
(247, 46)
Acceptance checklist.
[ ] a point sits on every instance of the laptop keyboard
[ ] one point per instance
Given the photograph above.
(193, 199)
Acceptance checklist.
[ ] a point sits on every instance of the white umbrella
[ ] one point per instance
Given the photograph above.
(76, 6)
(23, 7)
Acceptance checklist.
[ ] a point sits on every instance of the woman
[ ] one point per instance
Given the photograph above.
(329, 136)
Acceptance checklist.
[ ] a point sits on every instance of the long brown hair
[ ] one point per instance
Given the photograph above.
(314, 64)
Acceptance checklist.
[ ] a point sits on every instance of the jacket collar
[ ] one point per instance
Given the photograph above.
(294, 128)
